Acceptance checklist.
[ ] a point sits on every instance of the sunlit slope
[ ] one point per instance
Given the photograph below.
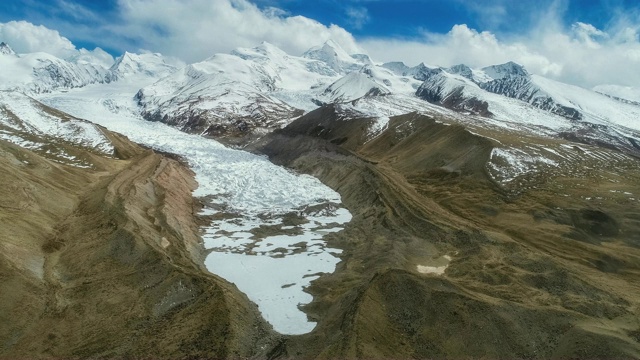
(538, 239)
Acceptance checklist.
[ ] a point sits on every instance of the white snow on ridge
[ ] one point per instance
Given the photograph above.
(595, 107)
(33, 119)
(147, 65)
(244, 184)
(623, 92)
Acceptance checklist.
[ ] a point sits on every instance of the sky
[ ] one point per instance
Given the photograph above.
(583, 42)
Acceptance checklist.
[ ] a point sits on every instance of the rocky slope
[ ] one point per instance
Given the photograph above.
(103, 257)
(454, 251)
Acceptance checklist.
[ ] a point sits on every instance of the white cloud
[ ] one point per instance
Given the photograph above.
(193, 30)
(581, 55)
(358, 16)
(25, 37)
(196, 29)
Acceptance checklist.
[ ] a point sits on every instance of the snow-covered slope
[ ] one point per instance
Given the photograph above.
(40, 72)
(146, 65)
(453, 91)
(353, 86)
(336, 58)
(224, 94)
(32, 125)
(594, 107)
(623, 93)
(36, 73)
(5, 49)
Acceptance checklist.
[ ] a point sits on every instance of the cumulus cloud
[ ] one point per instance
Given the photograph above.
(196, 29)
(25, 37)
(193, 30)
(580, 54)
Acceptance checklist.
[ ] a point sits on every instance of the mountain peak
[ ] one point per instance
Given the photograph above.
(332, 44)
(268, 48)
(148, 64)
(362, 58)
(462, 70)
(5, 49)
(333, 55)
(504, 70)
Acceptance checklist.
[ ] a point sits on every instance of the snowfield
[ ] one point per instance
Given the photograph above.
(240, 183)
(21, 116)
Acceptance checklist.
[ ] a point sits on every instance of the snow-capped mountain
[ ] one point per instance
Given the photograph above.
(146, 65)
(506, 70)
(41, 72)
(336, 58)
(5, 49)
(34, 126)
(399, 68)
(257, 88)
(36, 73)
(627, 94)
(463, 89)
(354, 86)
(263, 88)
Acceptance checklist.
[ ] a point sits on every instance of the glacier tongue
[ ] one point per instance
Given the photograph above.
(247, 191)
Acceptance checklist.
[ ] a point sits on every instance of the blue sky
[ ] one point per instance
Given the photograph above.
(406, 19)
(586, 42)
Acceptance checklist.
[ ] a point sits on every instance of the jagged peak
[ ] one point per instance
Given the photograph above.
(6, 49)
(462, 70)
(456, 69)
(504, 70)
(332, 44)
(422, 66)
(330, 48)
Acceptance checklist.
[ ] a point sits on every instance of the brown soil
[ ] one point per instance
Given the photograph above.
(541, 273)
(108, 262)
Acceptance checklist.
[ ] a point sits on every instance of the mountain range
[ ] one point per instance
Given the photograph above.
(253, 91)
(259, 204)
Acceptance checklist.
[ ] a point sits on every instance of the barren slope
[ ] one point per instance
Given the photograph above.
(444, 258)
(106, 260)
